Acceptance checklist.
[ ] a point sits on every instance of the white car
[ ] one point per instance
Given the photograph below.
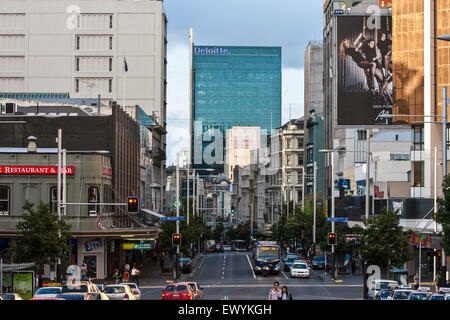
(134, 288)
(378, 285)
(226, 248)
(119, 292)
(299, 269)
(47, 292)
(402, 294)
(197, 291)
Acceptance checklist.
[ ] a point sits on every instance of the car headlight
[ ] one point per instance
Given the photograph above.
(277, 267)
(258, 268)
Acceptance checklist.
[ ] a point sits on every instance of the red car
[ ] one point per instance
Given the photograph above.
(178, 291)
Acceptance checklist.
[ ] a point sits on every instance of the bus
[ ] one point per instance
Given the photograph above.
(266, 257)
(239, 245)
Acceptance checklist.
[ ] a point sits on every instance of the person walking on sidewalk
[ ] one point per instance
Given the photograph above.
(275, 292)
(437, 281)
(116, 276)
(285, 295)
(416, 281)
(134, 275)
(125, 276)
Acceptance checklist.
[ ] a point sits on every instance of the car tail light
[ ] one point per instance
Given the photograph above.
(126, 296)
(195, 292)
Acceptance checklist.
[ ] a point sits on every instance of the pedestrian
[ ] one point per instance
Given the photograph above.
(416, 281)
(116, 276)
(285, 295)
(437, 281)
(127, 267)
(275, 292)
(83, 271)
(126, 276)
(134, 275)
(352, 262)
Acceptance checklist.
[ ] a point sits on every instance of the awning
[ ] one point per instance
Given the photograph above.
(15, 267)
(153, 213)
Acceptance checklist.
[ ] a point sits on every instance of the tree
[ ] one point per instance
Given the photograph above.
(384, 243)
(45, 238)
(443, 214)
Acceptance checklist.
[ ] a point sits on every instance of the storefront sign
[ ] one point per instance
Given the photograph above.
(33, 170)
(219, 51)
(93, 245)
(136, 246)
(107, 172)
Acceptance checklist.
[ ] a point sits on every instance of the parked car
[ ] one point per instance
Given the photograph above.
(197, 291)
(47, 292)
(318, 262)
(185, 265)
(119, 292)
(134, 288)
(299, 269)
(226, 248)
(10, 296)
(210, 249)
(178, 291)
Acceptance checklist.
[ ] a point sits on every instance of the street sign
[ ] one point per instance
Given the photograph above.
(252, 229)
(337, 219)
(172, 218)
(177, 204)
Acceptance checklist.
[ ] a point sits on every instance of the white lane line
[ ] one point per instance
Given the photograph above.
(251, 268)
(284, 275)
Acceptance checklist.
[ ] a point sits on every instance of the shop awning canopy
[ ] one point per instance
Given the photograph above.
(16, 267)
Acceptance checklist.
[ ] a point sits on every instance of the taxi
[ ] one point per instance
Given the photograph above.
(402, 293)
(420, 294)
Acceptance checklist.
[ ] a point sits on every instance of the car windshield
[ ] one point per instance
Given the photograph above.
(386, 293)
(299, 266)
(401, 295)
(436, 298)
(48, 291)
(169, 289)
(71, 296)
(383, 285)
(181, 288)
(74, 289)
(418, 296)
(319, 258)
(193, 286)
(291, 259)
(7, 296)
(115, 290)
(132, 286)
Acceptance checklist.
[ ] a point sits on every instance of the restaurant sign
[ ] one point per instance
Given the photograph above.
(33, 170)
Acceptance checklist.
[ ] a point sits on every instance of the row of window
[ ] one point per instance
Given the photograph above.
(93, 197)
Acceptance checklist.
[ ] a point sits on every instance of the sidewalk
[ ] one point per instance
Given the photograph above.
(356, 278)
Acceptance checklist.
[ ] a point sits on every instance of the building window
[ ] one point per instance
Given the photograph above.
(4, 200)
(362, 135)
(77, 85)
(418, 174)
(418, 138)
(110, 85)
(78, 64)
(94, 198)
(300, 143)
(110, 64)
(110, 43)
(53, 198)
(300, 159)
(78, 42)
(400, 157)
(111, 21)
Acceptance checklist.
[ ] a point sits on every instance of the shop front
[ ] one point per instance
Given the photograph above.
(92, 253)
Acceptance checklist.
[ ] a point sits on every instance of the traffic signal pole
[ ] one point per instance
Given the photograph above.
(178, 214)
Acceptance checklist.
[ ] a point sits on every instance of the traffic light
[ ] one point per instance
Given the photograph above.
(176, 239)
(332, 238)
(232, 209)
(133, 204)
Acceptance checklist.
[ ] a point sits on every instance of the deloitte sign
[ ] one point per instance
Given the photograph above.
(218, 51)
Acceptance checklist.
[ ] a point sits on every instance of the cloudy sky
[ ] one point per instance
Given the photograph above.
(290, 24)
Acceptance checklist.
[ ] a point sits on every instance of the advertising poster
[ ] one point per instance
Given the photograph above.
(23, 284)
(364, 70)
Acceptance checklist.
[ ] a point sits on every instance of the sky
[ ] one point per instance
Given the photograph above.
(290, 24)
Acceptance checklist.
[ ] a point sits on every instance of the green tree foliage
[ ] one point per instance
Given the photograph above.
(45, 238)
(443, 214)
(384, 243)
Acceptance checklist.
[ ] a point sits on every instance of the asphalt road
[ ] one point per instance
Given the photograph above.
(230, 275)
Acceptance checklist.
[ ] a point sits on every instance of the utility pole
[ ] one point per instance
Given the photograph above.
(178, 213)
(314, 204)
(333, 276)
(58, 187)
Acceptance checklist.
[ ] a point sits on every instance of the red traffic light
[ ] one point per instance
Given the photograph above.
(133, 204)
(332, 238)
(176, 239)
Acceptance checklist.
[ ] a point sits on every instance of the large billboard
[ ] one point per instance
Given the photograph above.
(364, 70)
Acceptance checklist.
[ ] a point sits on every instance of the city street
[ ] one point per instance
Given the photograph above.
(230, 275)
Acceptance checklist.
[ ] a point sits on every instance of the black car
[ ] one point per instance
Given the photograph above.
(218, 248)
(185, 265)
(318, 262)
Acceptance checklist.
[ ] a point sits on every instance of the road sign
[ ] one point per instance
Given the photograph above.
(252, 229)
(172, 218)
(337, 219)
(177, 204)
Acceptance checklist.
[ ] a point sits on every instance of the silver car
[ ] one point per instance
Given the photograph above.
(196, 290)
(48, 292)
(119, 292)
(134, 288)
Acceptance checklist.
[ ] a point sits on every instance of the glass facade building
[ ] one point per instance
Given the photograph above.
(234, 86)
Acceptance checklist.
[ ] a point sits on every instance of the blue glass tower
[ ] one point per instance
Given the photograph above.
(234, 86)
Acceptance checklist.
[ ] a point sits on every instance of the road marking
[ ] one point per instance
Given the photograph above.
(284, 275)
(251, 268)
